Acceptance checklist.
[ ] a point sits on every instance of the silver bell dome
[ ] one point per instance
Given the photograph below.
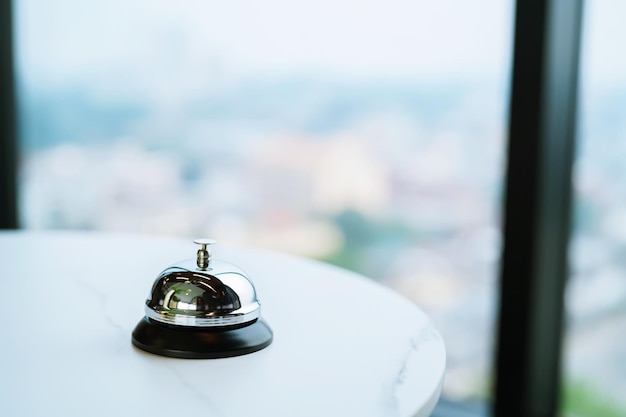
(203, 293)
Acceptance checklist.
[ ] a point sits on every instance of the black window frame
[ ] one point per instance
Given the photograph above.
(537, 206)
(8, 121)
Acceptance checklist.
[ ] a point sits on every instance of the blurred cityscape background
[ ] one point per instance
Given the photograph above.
(367, 134)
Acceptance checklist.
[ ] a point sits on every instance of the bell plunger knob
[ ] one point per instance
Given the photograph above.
(204, 255)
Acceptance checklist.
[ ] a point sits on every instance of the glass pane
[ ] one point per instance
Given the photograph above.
(595, 360)
(367, 134)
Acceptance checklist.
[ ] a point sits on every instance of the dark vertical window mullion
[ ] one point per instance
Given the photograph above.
(8, 124)
(537, 207)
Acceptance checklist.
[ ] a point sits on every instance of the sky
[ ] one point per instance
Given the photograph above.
(65, 39)
(145, 44)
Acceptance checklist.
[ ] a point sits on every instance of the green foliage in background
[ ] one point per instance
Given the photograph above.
(583, 400)
(369, 245)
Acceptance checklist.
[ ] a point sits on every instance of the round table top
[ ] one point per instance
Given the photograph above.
(343, 345)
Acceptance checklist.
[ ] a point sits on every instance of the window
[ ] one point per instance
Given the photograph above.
(596, 298)
(365, 134)
(369, 135)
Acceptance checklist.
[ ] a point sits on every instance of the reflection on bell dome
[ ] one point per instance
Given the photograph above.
(222, 295)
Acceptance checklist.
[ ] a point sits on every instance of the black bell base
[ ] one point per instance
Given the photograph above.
(201, 343)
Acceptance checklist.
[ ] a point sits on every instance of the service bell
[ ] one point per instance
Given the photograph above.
(202, 308)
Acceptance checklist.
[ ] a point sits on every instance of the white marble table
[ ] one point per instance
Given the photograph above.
(71, 300)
